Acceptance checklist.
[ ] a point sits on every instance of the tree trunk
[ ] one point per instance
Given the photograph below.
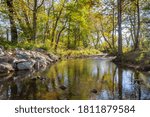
(138, 27)
(34, 20)
(120, 83)
(119, 56)
(58, 37)
(59, 34)
(113, 32)
(55, 24)
(14, 35)
(68, 43)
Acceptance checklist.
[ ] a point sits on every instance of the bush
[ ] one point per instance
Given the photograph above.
(77, 53)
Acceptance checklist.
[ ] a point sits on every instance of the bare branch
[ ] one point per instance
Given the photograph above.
(40, 4)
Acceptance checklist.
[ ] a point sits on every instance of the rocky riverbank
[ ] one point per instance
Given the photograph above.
(20, 60)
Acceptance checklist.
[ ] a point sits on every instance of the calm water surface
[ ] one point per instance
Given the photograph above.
(77, 79)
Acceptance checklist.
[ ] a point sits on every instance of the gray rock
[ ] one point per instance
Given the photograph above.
(40, 65)
(39, 50)
(23, 54)
(5, 67)
(27, 60)
(24, 64)
(7, 59)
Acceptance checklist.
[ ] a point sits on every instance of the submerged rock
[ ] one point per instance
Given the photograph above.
(94, 91)
(145, 68)
(63, 87)
(33, 79)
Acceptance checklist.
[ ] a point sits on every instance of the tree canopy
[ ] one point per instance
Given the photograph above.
(106, 25)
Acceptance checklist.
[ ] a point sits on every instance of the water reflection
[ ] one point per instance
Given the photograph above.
(75, 79)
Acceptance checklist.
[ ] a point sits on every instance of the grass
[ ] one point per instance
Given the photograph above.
(61, 51)
(77, 53)
(137, 57)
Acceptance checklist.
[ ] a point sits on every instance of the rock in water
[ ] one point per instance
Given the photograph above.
(24, 64)
(62, 87)
(33, 79)
(5, 67)
(94, 91)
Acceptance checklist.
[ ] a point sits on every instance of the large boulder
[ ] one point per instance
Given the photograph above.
(6, 67)
(41, 57)
(27, 60)
(24, 64)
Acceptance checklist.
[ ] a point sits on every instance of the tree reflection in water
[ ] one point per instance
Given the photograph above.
(78, 77)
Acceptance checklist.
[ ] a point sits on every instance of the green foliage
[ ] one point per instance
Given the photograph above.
(76, 25)
(77, 53)
(140, 57)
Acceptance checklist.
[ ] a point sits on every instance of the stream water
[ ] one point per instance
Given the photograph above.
(77, 79)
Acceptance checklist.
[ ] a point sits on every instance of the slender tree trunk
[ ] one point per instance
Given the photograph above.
(119, 56)
(46, 31)
(14, 35)
(59, 34)
(120, 82)
(68, 43)
(58, 38)
(138, 27)
(75, 38)
(113, 33)
(106, 40)
(34, 20)
(55, 24)
(7, 34)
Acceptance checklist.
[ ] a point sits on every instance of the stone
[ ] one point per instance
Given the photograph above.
(39, 50)
(24, 64)
(63, 87)
(39, 64)
(7, 59)
(94, 91)
(6, 67)
(23, 54)
(146, 68)
(27, 60)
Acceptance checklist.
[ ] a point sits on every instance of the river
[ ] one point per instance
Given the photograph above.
(77, 79)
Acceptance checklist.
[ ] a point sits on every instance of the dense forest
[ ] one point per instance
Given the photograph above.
(111, 26)
(104, 47)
